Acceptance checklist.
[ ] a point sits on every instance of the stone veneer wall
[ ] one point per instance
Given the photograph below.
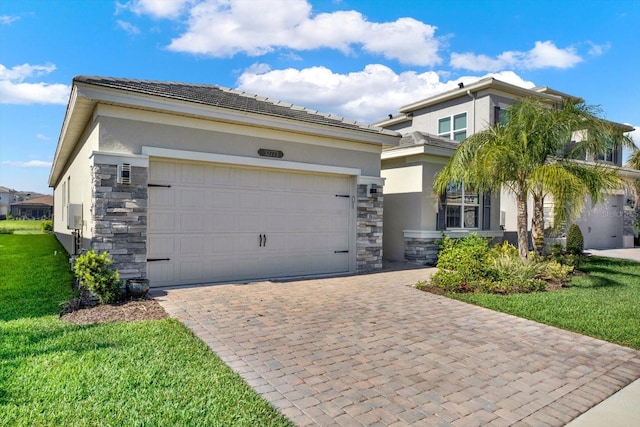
(369, 229)
(421, 251)
(120, 219)
(630, 216)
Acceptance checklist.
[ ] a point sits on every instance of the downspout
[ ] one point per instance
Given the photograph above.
(473, 123)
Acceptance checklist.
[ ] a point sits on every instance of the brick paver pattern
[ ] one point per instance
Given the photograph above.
(372, 350)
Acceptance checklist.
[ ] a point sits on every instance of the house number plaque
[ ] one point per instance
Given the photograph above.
(265, 152)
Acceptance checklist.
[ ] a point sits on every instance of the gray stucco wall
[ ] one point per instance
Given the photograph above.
(129, 136)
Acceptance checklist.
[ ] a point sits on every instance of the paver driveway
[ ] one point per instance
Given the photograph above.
(371, 350)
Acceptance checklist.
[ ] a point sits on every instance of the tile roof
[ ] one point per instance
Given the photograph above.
(43, 200)
(423, 138)
(222, 97)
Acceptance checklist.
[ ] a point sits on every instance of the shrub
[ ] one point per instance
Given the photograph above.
(504, 249)
(46, 226)
(95, 274)
(512, 268)
(468, 256)
(575, 240)
(556, 272)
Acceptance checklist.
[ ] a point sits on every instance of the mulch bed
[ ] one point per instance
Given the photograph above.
(123, 311)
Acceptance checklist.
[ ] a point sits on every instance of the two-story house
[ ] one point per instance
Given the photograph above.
(432, 129)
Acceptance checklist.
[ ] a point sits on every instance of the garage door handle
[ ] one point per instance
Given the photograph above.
(158, 259)
(260, 240)
(264, 243)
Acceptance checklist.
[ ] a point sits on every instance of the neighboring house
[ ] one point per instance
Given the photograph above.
(7, 197)
(36, 208)
(432, 128)
(186, 183)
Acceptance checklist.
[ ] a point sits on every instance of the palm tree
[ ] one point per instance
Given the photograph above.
(533, 154)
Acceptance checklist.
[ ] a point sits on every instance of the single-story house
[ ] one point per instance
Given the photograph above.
(431, 129)
(36, 208)
(190, 183)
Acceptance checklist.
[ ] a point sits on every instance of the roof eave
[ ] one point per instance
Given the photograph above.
(84, 96)
(475, 87)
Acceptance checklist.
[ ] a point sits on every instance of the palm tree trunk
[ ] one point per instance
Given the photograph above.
(523, 240)
(537, 223)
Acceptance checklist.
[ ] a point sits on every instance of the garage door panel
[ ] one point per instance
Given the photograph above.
(221, 199)
(161, 246)
(210, 220)
(192, 174)
(163, 172)
(191, 199)
(190, 222)
(192, 245)
(161, 197)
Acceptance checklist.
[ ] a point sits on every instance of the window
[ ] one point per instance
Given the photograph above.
(608, 155)
(499, 116)
(453, 127)
(462, 209)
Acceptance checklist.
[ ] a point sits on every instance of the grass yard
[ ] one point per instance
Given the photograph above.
(603, 304)
(142, 373)
(20, 226)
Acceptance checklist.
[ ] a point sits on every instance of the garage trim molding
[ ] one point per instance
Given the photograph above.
(246, 161)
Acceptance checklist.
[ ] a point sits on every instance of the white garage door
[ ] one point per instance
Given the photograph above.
(210, 223)
(603, 226)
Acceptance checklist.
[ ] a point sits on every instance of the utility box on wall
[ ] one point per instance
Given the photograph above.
(74, 216)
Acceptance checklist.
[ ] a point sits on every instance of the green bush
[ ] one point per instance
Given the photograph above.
(468, 256)
(575, 240)
(46, 226)
(95, 274)
(513, 268)
(505, 248)
(556, 272)
(469, 265)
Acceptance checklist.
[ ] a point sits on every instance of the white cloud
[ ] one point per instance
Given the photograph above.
(14, 89)
(543, 55)
(7, 20)
(157, 8)
(598, 49)
(223, 28)
(366, 95)
(42, 137)
(128, 27)
(29, 164)
(24, 71)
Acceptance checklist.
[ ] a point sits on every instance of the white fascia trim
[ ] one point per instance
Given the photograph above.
(108, 158)
(118, 96)
(437, 234)
(401, 152)
(56, 165)
(395, 153)
(374, 180)
(247, 161)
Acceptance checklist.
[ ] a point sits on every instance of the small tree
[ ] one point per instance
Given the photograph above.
(94, 273)
(575, 240)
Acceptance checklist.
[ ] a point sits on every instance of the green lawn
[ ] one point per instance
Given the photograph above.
(143, 373)
(20, 226)
(604, 303)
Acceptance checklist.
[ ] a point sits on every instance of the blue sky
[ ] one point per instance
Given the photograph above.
(361, 59)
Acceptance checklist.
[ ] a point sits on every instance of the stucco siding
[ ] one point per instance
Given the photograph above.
(75, 181)
(190, 134)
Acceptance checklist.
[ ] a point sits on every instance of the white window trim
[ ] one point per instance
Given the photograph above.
(462, 205)
(451, 133)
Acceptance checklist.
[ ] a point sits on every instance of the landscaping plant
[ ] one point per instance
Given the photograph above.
(94, 273)
(470, 265)
(575, 240)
